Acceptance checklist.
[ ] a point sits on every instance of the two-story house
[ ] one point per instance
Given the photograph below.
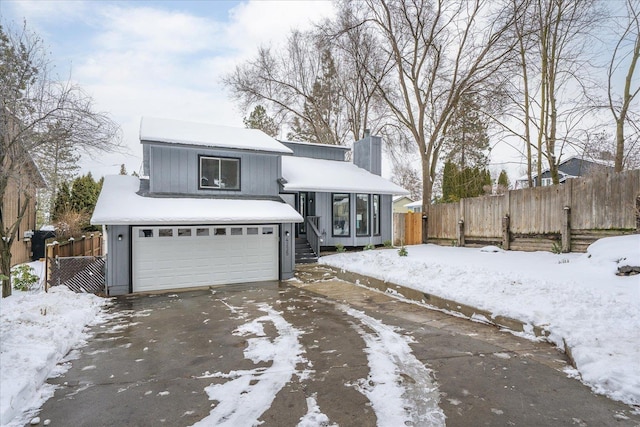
(572, 167)
(223, 205)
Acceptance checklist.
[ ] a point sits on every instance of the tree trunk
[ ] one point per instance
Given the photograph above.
(5, 269)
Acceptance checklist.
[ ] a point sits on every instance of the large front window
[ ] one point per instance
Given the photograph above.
(219, 173)
(376, 215)
(362, 214)
(340, 215)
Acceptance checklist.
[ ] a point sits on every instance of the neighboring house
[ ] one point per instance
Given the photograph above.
(414, 206)
(400, 204)
(222, 205)
(26, 184)
(572, 167)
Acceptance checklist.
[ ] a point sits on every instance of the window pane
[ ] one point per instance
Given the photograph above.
(267, 230)
(209, 172)
(230, 174)
(252, 230)
(376, 214)
(202, 232)
(184, 232)
(147, 232)
(340, 214)
(236, 231)
(165, 232)
(362, 215)
(219, 231)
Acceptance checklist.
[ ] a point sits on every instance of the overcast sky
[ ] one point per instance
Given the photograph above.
(157, 58)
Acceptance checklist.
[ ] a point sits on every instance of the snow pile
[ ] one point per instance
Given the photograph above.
(37, 330)
(577, 298)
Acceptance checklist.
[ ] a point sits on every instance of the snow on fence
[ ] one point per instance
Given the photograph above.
(568, 217)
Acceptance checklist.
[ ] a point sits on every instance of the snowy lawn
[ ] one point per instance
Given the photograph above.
(577, 298)
(37, 330)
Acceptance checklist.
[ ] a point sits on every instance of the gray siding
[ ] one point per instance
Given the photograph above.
(323, 210)
(327, 152)
(118, 260)
(287, 251)
(175, 170)
(367, 154)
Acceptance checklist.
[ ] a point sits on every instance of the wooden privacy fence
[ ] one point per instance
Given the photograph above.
(407, 228)
(76, 263)
(569, 217)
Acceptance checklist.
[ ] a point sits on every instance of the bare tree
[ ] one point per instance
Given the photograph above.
(37, 111)
(297, 84)
(626, 49)
(437, 51)
(550, 80)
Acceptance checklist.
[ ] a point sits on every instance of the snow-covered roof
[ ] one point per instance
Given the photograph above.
(307, 174)
(119, 204)
(416, 204)
(396, 198)
(204, 134)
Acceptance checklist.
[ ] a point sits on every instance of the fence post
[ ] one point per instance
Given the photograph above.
(638, 214)
(566, 229)
(506, 230)
(461, 232)
(425, 227)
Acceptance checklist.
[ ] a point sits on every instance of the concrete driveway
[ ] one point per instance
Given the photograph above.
(151, 363)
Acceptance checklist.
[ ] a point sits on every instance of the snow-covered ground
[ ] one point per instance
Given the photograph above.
(37, 332)
(577, 298)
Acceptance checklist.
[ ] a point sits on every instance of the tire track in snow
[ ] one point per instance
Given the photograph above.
(399, 386)
(249, 393)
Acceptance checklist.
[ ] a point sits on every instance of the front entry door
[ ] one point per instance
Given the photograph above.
(305, 208)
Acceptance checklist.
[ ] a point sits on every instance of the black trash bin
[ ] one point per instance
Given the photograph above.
(38, 245)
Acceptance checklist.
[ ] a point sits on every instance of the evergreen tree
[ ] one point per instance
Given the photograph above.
(467, 139)
(57, 162)
(463, 183)
(62, 201)
(259, 119)
(123, 169)
(84, 194)
(503, 179)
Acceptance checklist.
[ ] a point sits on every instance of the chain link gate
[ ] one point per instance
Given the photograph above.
(85, 274)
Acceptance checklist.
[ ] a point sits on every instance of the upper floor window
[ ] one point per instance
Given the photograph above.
(219, 173)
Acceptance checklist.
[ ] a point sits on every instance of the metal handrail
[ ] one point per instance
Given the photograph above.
(313, 234)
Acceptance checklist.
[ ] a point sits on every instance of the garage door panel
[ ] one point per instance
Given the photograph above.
(197, 256)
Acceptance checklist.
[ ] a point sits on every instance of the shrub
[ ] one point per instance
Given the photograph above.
(23, 278)
(70, 223)
(340, 248)
(556, 248)
(387, 244)
(403, 251)
(369, 247)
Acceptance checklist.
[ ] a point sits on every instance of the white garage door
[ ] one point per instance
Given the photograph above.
(171, 257)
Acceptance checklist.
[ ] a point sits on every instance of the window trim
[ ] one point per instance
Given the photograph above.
(333, 214)
(368, 219)
(377, 216)
(219, 158)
